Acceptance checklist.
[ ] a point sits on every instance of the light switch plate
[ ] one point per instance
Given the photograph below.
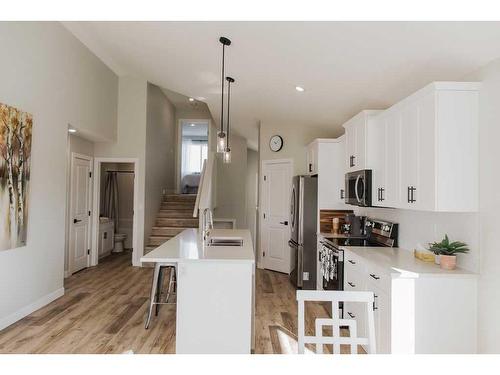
(305, 276)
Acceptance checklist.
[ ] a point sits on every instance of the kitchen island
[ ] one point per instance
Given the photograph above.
(215, 291)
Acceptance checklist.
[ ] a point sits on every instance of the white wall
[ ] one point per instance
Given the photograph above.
(489, 207)
(131, 140)
(231, 183)
(417, 227)
(295, 140)
(51, 75)
(160, 153)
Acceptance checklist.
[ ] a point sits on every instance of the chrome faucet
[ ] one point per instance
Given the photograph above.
(208, 223)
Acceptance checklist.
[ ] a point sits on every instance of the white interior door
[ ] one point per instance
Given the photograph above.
(275, 229)
(80, 190)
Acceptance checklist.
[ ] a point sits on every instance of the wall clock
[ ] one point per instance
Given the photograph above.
(276, 143)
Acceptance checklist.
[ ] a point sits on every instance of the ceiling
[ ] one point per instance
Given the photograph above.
(344, 66)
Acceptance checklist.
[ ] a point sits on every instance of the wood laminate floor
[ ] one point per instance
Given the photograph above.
(104, 309)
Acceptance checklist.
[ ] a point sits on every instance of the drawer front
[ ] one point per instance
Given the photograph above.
(352, 263)
(354, 281)
(378, 278)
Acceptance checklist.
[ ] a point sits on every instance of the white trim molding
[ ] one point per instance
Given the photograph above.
(26, 310)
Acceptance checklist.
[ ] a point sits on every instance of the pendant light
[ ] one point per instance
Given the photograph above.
(221, 136)
(227, 152)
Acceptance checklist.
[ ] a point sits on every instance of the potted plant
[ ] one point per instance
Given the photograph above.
(446, 252)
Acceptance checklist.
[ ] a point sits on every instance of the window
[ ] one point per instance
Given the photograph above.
(193, 155)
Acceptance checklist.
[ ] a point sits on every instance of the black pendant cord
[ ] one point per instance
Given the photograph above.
(222, 95)
(229, 81)
(225, 42)
(228, 102)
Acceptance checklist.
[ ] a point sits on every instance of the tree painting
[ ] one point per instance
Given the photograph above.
(15, 156)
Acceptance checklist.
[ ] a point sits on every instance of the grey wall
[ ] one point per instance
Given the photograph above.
(51, 75)
(251, 205)
(160, 153)
(231, 183)
(131, 140)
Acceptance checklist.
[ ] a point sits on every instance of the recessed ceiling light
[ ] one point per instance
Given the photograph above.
(191, 99)
(72, 130)
(193, 125)
(299, 89)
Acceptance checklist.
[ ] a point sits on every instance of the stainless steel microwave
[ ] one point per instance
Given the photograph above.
(358, 188)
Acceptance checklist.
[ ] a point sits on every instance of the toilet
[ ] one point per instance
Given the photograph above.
(119, 242)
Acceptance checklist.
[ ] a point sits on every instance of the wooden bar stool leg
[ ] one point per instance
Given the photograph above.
(152, 298)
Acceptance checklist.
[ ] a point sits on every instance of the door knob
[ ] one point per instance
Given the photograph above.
(284, 222)
(76, 221)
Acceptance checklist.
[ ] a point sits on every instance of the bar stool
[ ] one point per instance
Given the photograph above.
(156, 288)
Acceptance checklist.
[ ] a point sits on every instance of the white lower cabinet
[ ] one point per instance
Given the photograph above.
(427, 313)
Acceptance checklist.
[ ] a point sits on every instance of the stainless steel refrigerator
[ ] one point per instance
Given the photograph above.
(303, 223)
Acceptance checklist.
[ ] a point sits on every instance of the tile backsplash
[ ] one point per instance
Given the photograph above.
(420, 228)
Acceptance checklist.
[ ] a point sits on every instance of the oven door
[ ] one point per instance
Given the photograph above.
(332, 267)
(358, 188)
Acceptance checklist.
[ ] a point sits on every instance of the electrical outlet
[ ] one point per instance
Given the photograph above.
(305, 276)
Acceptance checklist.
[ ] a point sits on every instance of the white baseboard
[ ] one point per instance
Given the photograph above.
(25, 311)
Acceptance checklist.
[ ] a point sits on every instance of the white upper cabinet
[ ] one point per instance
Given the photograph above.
(325, 158)
(356, 140)
(312, 158)
(424, 150)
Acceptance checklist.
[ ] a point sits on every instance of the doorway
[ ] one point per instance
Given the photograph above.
(115, 228)
(276, 184)
(193, 146)
(80, 212)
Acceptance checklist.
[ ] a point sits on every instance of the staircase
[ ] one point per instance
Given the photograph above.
(175, 215)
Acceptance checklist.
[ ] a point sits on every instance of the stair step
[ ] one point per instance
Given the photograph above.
(177, 222)
(177, 206)
(180, 198)
(176, 213)
(158, 240)
(166, 231)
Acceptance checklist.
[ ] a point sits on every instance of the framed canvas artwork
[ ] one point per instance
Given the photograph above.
(15, 157)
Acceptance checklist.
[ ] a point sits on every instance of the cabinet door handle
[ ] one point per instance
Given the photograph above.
(353, 163)
(342, 196)
(375, 302)
(412, 190)
(374, 276)
(408, 195)
(310, 167)
(351, 315)
(76, 221)
(284, 222)
(351, 285)
(382, 190)
(351, 261)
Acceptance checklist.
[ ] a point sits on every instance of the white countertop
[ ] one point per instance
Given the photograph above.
(188, 247)
(401, 263)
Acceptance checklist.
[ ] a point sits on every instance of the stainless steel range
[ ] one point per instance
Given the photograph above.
(374, 233)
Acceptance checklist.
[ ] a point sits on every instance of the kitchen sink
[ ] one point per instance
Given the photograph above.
(225, 241)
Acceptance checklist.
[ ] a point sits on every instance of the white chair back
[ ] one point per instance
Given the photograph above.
(335, 297)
